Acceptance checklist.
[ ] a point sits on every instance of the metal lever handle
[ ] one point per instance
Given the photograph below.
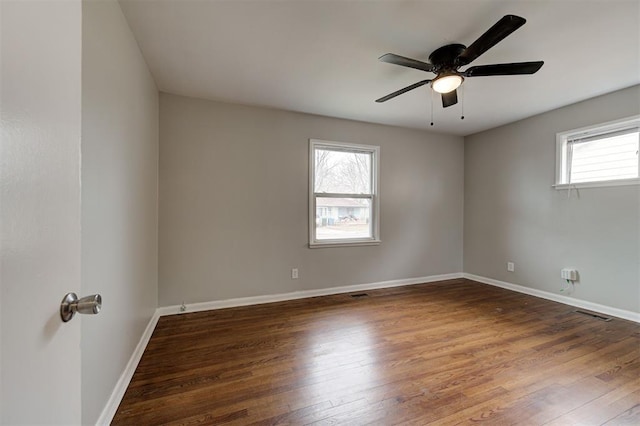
(87, 305)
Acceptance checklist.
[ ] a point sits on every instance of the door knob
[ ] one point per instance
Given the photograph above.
(87, 305)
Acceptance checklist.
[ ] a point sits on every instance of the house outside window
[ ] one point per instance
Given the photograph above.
(343, 194)
(600, 155)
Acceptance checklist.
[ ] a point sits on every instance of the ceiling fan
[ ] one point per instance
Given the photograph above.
(446, 61)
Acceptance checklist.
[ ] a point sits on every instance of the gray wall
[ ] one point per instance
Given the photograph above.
(513, 214)
(119, 198)
(234, 203)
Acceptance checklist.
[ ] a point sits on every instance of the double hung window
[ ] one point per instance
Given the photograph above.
(343, 194)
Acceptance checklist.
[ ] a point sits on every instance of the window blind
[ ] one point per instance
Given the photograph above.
(604, 156)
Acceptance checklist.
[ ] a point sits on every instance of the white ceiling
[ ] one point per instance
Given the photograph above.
(321, 57)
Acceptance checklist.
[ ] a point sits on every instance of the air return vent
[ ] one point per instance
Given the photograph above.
(593, 315)
(359, 295)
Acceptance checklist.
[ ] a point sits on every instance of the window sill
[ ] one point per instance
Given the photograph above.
(334, 243)
(619, 182)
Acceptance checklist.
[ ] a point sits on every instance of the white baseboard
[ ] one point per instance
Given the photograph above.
(256, 300)
(596, 307)
(111, 407)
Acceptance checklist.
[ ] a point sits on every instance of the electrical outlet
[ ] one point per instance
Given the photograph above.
(511, 267)
(294, 274)
(569, 274)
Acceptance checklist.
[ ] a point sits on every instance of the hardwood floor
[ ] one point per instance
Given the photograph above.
(442, 353)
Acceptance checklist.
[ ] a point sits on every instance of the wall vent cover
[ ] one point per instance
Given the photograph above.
(593, 315)
(358, 295)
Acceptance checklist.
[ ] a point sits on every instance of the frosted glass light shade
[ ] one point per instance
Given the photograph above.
(446, 83)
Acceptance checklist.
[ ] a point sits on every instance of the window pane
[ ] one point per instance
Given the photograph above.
(608, 158)
(343, 218)
(342, 172)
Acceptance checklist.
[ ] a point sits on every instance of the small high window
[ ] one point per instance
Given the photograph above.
(343, 194)
(601, 155)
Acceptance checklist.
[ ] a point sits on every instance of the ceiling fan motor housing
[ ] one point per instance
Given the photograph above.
(444, 58)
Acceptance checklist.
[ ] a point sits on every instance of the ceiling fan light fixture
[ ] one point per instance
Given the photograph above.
(446, 83)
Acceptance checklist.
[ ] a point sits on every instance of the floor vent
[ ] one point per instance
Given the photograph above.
(358, 295)
(592, 315)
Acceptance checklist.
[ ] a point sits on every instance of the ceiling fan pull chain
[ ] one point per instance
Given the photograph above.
(462, 102)
(431, 90)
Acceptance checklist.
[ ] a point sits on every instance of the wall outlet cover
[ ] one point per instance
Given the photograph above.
(569, 274)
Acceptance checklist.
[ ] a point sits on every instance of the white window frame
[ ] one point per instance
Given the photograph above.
(374, 196)
(562, 178)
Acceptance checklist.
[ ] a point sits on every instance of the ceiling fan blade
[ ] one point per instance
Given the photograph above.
(401, 91)
(450, 98)
(504, 69)
(406, 62)
(501, 29)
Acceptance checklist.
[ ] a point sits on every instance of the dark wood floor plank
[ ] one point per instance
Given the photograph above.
(441, 353)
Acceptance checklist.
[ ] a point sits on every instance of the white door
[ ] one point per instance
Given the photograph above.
(40, 106)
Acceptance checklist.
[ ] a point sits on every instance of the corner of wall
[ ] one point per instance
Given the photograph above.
(512, 213)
